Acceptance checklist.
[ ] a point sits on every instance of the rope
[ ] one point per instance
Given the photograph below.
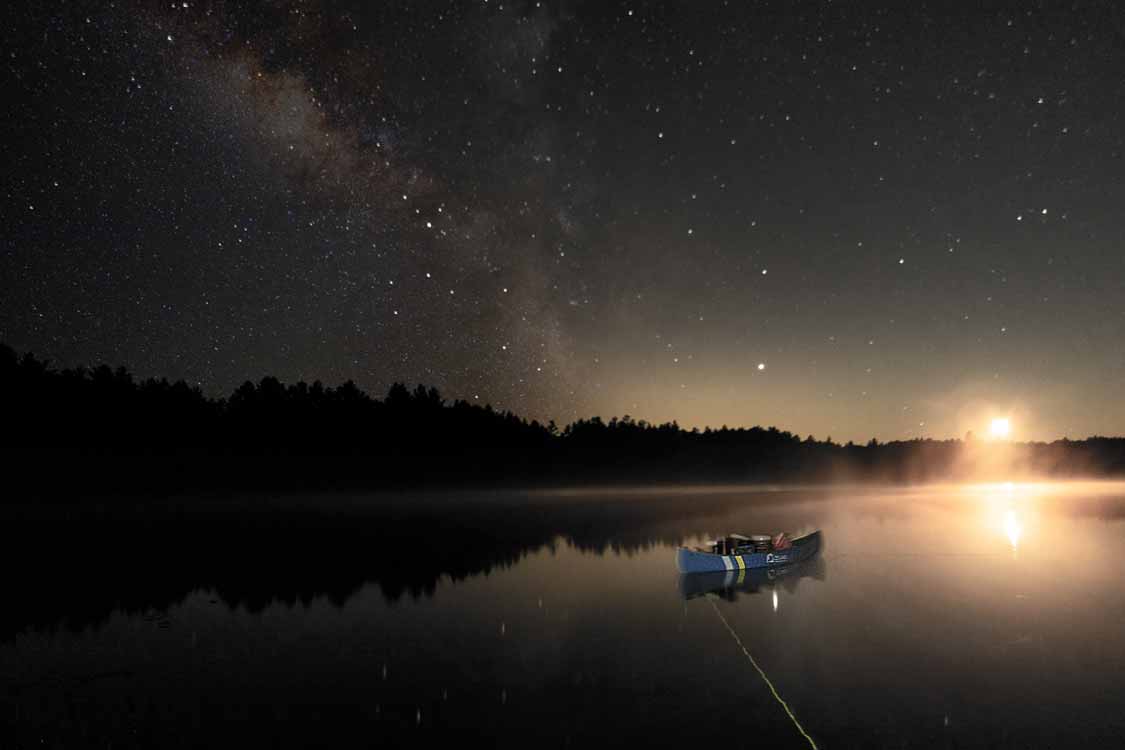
(773, 690)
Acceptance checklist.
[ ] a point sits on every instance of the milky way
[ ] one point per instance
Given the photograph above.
(840, 218)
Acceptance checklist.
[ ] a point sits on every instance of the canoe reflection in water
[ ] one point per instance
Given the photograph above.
(729, 584)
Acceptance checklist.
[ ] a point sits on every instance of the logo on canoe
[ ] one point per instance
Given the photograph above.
(771, 558)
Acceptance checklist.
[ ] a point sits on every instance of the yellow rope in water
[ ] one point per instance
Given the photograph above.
(773, 690)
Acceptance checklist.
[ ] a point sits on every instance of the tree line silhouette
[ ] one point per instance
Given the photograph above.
(99, 428)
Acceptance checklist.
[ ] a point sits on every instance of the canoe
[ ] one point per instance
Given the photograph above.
(731, 583)
(697, 561)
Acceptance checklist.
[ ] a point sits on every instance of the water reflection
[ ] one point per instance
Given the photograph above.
(558, 620)
(1008, 508)
(251, 553)
(1013, 528)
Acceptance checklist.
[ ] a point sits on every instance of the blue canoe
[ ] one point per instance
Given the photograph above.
(698, 561)
(732, 583)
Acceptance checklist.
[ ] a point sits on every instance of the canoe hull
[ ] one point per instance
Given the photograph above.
(732, 583)
(690, 561)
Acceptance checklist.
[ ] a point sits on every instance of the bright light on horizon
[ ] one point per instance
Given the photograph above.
(1000, 428)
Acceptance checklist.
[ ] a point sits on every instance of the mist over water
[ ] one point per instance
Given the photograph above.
(953, 616)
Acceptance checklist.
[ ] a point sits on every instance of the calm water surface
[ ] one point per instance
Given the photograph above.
(987, 616)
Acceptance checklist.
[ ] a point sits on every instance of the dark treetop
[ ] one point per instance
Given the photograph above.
(99, 429)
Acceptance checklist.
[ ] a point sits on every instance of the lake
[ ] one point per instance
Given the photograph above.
(960, 616)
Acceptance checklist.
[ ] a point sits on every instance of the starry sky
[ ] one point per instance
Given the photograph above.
(849, 219)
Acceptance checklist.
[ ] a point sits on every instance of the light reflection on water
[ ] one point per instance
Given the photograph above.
(1007, 507)
(975, 616)
(1013, 527)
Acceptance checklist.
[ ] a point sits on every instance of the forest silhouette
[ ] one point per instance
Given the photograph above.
(100, 430)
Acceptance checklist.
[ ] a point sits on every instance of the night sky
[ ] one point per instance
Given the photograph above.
(840, 218)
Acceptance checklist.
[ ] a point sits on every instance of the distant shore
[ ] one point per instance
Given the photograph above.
(100, 431)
